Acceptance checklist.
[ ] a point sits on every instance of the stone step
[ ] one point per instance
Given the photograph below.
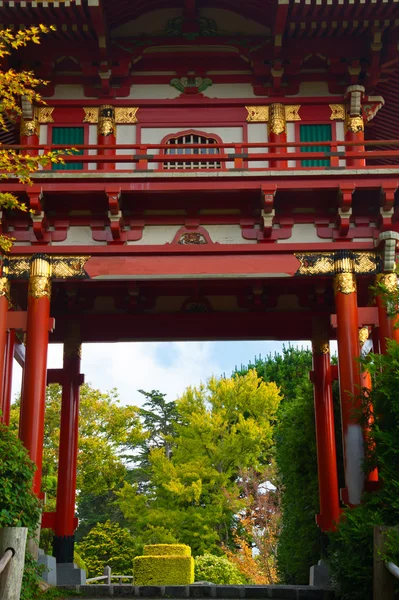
(223, 592)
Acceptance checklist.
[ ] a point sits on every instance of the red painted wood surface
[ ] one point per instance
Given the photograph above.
(388, 329)
(325, 440)
(31, 426)
(8, 370)
(3, 349)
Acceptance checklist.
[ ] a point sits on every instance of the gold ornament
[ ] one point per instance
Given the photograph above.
(354, 124)
(363, 335)
(39, 280)
(292, 112)
(320, 345)
(29, 128)
(326, 263)
(5, 287)
(277, 119)
(62, 267)
(91, 114)
(106, 120)
(44, 114)
(126, 114)
(388, 280)
(257, 114)
(345, 283)
(39, 287)
(338, 112)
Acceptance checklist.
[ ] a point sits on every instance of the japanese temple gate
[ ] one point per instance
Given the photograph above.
(234, 177)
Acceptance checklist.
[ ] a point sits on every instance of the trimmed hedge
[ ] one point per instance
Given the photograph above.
(167, 550)
(163, 570)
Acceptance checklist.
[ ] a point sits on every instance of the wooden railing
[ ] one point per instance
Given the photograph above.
(107, 577)
(231, 156)
(12, 559)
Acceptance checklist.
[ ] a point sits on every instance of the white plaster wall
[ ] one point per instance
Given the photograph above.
(153, 92)
(79, 236)
(291, 138)
(68, 92)
(303, 233)
(43, 139)
(230, 90)
(154, 135)
(257, 132)
(313, 88)
(92, 140)
(157, 234)
(125, 134)
(340, 135)
(227, 234)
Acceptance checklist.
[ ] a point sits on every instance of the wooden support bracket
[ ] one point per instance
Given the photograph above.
(114, 211)
(267, 211)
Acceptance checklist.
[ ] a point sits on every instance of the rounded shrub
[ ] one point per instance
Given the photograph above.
(217, 569)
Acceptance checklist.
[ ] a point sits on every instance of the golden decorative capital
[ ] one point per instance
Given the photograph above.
(388, 280)
(344, 283)
(320, 345)
(363, 335)
(5, 287)
(123, 114)
(330, 263)
(354, 124)
(29, 128)
(44, 114)
(106, 120)
(62, 267)
(40, 277)
(277, 122)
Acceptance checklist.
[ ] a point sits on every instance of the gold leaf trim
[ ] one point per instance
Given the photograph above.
(363, 335)
(44, 114)
(338, 112)
(330, 263)
(62, 267)
(91, 114)
(126, 114)
(292, 112)
(39, 287)
(344, 283)
(257, 114)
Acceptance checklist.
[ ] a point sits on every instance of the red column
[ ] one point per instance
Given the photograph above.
(63, 541)
(354, 132)
(277, 133)
(325, 435)
(31, 426)
(365, 382)
(8, 370)
(349, 383)
(29, 135)
(106, 135)
(4, 303)
(388, 326)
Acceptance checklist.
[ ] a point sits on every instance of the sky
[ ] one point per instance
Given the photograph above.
(169, 367)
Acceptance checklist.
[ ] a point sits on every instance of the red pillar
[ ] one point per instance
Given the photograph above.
(388, 326)
(29, 134)
(31, 426)
(349, 383)
(325, 435)
(106, 135)
(4, 303)
(277, 133)
(354, 132)
(63, 541)
(8, 370)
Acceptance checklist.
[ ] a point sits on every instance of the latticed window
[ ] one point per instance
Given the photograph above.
(192, 138)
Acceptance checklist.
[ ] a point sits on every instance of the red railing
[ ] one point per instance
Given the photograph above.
(236, 156)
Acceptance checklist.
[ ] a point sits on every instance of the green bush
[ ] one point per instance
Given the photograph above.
(163, 570)
(351, 547)
(19, 507)
(107, 544)
(217, 569)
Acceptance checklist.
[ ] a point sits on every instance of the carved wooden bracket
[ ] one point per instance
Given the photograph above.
(345, 208)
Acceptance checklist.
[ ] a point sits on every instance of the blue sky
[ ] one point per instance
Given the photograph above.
(167, 366)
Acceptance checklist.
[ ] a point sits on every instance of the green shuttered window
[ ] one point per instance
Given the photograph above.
(315, 133)
(69, 136)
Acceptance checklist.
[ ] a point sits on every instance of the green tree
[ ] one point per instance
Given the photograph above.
(217, 569)
(225, 427)
(106, 429)
(107, 544)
